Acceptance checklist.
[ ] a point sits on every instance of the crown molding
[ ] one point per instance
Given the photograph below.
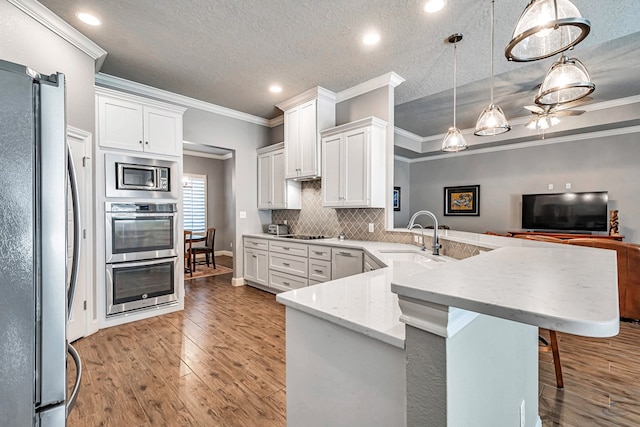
(270, 148)
(54, 23)
(390, 79)
(367, 121)
(407, 134)
(534, 143)
(317, 92)
(276, 121)
(113, 82)
(136, 98)
(207, 155)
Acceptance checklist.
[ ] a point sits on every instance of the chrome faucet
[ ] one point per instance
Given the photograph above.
(436, 245)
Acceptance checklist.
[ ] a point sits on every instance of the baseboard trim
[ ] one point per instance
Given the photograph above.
(238, 281)
(223, 253)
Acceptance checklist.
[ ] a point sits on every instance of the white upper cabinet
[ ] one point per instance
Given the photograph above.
(274, 191)
(304, 116)
(353, 165)
(133, 123)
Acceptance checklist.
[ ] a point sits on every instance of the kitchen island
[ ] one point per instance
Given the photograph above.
(469, 348)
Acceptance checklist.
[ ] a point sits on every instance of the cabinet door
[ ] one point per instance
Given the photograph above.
(292, 142)
(162, 131)
(278, 181)
(356, 168)
(256, 266)
(345, 262)
(331, 171)
(308, 140)
(264, 181)
(120, 124)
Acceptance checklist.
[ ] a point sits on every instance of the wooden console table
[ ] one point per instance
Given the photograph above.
(566, 235)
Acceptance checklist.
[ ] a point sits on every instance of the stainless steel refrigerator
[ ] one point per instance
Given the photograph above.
(36, 296)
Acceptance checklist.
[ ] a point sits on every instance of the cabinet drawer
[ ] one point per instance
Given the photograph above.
(319, 270)
(320, 252)
(284, 247)
(253, 243)
(285, 282)
(288, 264)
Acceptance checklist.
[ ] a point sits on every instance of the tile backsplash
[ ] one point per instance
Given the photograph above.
(317, 220)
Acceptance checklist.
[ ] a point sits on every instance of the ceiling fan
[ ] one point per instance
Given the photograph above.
(546, 116)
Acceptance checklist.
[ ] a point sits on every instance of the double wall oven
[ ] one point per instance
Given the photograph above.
(141, 255)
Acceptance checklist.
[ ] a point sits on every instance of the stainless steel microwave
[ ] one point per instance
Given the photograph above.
(140, 177)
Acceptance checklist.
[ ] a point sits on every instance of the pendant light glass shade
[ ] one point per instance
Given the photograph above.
(492, 120)
(545, 28)
(454, 140)
(567, 80)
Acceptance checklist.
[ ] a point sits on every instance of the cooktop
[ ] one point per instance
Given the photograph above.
(303, 237)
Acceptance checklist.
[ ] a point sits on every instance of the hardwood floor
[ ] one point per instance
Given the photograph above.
(221, 362)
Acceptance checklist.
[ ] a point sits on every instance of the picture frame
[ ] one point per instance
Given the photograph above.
(462, 201)
(396, 198)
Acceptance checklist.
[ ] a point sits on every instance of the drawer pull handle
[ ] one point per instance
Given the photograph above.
(285, 248)
(318, 271)
(344, 253)
(286, 264)
(255, 256)
(286, 283)
(318, 253)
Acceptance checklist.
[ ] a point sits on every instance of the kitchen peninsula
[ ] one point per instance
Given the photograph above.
(468, 353)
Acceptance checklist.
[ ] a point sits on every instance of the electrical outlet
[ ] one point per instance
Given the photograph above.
(371, 226)
(415, 239)
(243, 214)
(522, 417)
(567, 186)
(284, 222)
(231, 244)
(550, 187)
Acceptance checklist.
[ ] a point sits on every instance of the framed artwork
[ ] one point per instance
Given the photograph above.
(396, 198)
(462, 201)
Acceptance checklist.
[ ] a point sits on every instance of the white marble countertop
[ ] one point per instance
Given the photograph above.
(539, 283)
(556, 287)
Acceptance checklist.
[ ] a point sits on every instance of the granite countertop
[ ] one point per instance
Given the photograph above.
(568, 289)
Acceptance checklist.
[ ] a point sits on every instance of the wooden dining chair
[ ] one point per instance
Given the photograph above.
(207, 249)
(188, 251)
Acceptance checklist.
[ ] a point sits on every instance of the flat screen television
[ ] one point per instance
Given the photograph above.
(565, 211)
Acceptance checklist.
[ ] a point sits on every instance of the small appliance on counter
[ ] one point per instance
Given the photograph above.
(278, 229)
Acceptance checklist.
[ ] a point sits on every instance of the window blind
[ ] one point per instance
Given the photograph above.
(194, 202)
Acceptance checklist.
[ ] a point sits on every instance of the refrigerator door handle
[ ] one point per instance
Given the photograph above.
(77, 227)
(71, 401)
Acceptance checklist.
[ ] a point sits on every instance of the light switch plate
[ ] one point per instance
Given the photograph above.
(371, 227)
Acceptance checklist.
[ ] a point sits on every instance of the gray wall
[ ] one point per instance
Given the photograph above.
(243, 138)
(375, 103)
(276, 134)
(610, 163)
(401, 178)
(217, 185)
(26, 42)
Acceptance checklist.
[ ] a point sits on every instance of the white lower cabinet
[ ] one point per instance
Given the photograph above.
(285, 282)
(280, 265)
(256, 266)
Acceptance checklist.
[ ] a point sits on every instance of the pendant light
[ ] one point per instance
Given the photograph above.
(492, 120)
(545, 28)
(566, 81)
(453, 140)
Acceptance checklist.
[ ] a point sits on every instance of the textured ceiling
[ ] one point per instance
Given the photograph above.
(229, 52)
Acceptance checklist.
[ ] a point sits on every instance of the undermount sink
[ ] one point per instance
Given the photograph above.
(411, 256)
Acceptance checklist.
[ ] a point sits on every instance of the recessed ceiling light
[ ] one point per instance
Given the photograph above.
(88, 19)
(433, 6)
(371, 38)
(275, 89)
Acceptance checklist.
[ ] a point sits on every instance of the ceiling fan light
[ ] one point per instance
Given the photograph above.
(491, 122)
(566, 81)
(545, 28)
(454, 141)
(553, 120)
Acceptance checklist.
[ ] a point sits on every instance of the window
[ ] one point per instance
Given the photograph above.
(194, 202)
